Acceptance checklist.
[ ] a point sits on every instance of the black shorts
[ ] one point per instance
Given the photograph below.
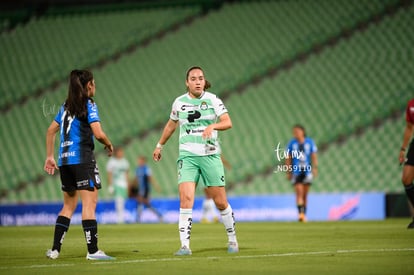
(83, 176)
(410, 154)
(303, 178)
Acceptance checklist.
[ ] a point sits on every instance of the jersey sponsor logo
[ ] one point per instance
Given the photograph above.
(194, 131)
(183, 107)
(193, 115)
(68, 154)
(82, 183)
(93, 107)
(93, 115)
(66, 143)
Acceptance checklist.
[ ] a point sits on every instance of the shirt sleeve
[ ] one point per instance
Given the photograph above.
(314, 148)
(288, 150)
(93, 115)
(58, 117)
(408, 113)
(174, 111)
(219, 107)
(149, 172)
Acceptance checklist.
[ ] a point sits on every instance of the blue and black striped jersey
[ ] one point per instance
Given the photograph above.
(76, 137)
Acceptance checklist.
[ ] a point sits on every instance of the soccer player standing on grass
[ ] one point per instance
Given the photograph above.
(408, 170)
(117, 169)
(200, 115)
(78, 122)
(144, 180)
(303, 166)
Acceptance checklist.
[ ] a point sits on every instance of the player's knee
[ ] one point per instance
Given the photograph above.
(221, 204)
(406, 181)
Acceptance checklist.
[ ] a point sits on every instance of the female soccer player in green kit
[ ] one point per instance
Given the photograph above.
(200, 114)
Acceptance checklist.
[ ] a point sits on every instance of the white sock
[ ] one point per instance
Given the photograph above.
(185, 222)
(227, 217)
(120, 206)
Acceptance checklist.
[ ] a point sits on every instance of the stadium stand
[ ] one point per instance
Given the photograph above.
(44, 50)
(366, 163)
(333, 89)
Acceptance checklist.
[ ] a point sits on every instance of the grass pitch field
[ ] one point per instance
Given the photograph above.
(384, 247)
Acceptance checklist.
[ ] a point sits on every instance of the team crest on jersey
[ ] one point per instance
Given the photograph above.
(203, 106)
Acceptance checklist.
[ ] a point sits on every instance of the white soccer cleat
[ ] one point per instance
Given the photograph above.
(232, 247)
(52, 254)
(183, 251)
(99, 256)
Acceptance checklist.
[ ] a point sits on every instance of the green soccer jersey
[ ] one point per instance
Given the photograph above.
(194, 115)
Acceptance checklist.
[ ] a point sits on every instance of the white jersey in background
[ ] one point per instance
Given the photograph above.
(194, 115)
(118, 168)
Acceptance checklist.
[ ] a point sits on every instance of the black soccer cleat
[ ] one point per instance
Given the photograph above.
(411, 225)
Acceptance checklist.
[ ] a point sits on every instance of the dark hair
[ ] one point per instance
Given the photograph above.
(78, 97)
(207, 85)
(300, 126)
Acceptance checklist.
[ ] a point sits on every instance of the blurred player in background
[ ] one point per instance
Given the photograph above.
(408, 170)
(199, 114)
(78, 122)
(209, 209)
(303, 166)
(117, 169)
(144, 179)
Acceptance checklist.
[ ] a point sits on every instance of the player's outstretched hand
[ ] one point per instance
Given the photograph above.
(50, 166)
(156, 156)
(109, 149)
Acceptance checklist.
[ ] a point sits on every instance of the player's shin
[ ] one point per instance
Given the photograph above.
(184, 226)
(90, 229)
(409, 190)
(61, 227)
(227, 217)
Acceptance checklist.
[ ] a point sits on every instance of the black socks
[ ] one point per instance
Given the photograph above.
(61, 227)
(409, 190)
(302, 209)
(90, 228)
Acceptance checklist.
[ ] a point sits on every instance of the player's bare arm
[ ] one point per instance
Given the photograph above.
(166, 134)
(288, 163)
(408, 133)
(223, 124)
(314, 158)
(50, 163)
(101, 137)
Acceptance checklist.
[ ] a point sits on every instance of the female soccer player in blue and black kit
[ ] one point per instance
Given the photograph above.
(408, 171)
(303, 166)
(78, 122)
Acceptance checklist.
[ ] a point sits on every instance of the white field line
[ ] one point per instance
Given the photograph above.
(174, 259)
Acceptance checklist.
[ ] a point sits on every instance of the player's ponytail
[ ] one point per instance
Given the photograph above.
(207, 85)
(77, 94)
